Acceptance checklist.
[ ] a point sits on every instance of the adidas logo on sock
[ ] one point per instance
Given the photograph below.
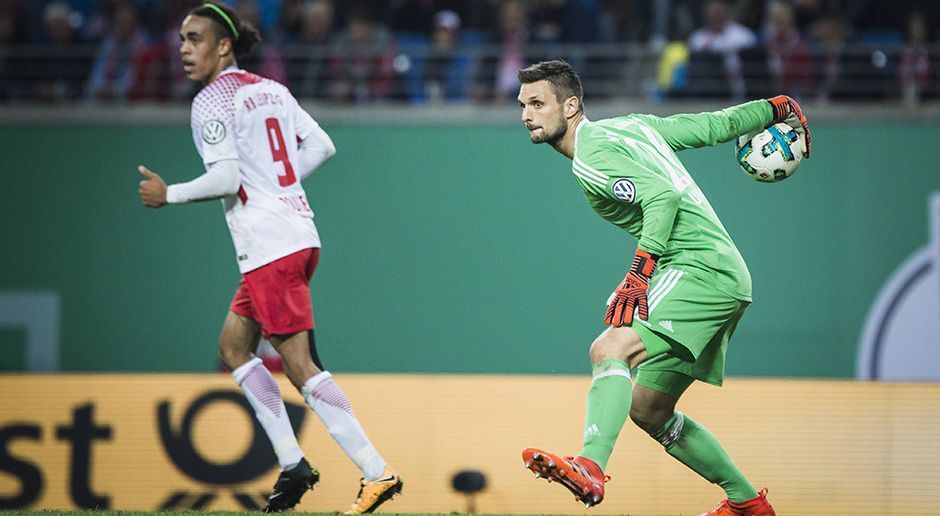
(592, 430)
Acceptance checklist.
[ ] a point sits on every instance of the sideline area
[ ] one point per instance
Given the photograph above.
(134, 442)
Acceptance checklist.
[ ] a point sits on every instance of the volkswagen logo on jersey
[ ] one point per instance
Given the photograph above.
(213, 132)
(624, 189)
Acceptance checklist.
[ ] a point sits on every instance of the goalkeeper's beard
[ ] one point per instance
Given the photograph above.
(551, 135)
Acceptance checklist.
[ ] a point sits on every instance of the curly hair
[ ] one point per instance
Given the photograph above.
(227, 24)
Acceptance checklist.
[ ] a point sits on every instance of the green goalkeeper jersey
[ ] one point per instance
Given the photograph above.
(631, 176)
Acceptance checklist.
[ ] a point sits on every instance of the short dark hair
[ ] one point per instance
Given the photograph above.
(243, 34)
(559, 74)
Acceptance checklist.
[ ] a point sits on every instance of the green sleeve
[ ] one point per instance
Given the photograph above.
(659, 215)
(691, 131)
(653, 195)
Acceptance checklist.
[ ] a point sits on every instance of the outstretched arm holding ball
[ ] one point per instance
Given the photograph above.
(788, 111)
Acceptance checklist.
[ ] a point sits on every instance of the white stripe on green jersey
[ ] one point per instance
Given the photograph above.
(632, 177)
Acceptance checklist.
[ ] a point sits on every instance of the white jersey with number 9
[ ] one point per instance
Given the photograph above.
(258, 122)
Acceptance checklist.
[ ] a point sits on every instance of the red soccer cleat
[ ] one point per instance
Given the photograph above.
(755, 507)
(583, 477)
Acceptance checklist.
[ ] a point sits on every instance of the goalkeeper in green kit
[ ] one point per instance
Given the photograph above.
(673, 314)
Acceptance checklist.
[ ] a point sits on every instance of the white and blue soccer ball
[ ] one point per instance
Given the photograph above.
(771, 155)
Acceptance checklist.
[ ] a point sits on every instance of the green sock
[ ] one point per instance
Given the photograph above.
(608, 404)
(693, 445)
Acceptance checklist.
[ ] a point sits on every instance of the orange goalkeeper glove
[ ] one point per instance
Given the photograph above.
(632, 291)
(786, 110)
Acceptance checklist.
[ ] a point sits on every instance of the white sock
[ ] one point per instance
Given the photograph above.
(265, 397)
(331, 405)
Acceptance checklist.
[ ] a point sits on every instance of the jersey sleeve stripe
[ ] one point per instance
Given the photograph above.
(577, 169)
(587, 172)
(589, 179)
(584, 166)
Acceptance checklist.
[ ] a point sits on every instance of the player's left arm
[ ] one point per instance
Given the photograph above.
(694, 130)
(788, 111)
(213, 132)
(221, 179)
(152, 189)
(691, 131)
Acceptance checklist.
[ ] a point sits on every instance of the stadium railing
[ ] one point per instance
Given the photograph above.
(409, 71)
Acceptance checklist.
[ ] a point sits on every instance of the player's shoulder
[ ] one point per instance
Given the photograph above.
(590, 131)
(626, 122)
(601, 128)
(223, 90)
(602, 134)
(613, 131)
(589, 138)
(603, 144)
(218, 98)
(593, 147)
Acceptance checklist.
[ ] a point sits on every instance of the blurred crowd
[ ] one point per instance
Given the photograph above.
(423, 51)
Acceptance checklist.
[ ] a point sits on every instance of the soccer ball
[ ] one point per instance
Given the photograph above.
(771, 155)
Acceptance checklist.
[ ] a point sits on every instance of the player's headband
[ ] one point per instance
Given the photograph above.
(224, 16)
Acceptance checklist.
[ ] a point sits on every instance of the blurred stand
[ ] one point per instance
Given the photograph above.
(373, 66)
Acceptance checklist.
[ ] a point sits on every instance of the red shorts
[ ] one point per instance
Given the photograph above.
(277, 295)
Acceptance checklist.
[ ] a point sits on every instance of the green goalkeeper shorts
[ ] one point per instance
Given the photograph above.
(689, 326)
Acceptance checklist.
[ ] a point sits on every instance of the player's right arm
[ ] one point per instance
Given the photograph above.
(629, 182)
(315, 146)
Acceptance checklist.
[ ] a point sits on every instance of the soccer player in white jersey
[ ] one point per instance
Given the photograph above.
(257, 144)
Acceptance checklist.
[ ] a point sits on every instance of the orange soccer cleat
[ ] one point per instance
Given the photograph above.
(375, 493)
(755, 507)
(582, 476)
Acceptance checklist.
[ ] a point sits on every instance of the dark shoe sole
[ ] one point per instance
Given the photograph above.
(291, 497)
